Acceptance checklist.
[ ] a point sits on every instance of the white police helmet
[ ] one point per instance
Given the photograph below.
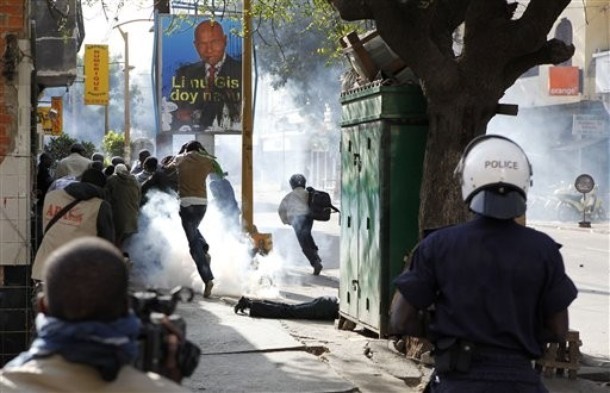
(495, 177)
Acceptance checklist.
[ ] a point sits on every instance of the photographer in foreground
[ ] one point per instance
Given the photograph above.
(87, 336)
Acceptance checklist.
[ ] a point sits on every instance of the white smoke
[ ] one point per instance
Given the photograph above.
(161, 258)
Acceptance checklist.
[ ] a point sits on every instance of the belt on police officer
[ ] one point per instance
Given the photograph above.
(453, 354)
(487, 351)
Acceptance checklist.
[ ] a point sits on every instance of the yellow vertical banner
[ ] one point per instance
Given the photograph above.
(56, 116)
(96, 75)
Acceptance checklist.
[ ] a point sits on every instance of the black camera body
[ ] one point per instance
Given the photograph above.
(151, 307)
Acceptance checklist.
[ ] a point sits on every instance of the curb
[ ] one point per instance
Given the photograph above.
(602, 228)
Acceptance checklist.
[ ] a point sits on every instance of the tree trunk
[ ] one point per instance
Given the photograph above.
(452, 124)
(463, 89)
(440, 197)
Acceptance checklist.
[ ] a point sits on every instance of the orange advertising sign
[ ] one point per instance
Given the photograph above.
(564, 81)
(96, 75)
(56, 116)
(44, 119)
(50, 118)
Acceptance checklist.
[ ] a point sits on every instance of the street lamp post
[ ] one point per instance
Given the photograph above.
(127, 99)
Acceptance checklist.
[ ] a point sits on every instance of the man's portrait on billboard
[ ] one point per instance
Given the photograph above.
(202, 89)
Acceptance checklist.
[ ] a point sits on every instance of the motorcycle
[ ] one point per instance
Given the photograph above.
(573, 206)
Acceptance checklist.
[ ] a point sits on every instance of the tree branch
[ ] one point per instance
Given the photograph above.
(405, 27)
(532, 28)
(449, 15)
(487, 13)
(351, 10)
(554, 51)
(418, 31)
(486, 19)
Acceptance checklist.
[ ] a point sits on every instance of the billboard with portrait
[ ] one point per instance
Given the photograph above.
(199, 75)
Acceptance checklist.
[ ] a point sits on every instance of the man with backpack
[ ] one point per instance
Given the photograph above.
(294, 211)
(75, 211)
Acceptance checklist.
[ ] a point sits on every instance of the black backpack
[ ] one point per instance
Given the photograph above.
(320, 205)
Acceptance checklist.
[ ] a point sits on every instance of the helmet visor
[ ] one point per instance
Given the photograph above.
(498, 205)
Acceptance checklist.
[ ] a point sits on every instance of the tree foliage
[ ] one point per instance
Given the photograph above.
(114, 144)
(301, 35)
(59, 147)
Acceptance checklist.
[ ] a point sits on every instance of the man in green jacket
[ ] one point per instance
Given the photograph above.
(193, 167)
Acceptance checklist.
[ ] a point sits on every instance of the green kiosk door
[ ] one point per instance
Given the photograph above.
(382, 147)
(360, 226)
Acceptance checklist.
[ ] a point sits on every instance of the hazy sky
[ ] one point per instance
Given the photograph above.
(98, 30)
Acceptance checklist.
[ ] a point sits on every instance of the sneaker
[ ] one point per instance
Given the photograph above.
(242, 304)
(208, 289)
(317, 268)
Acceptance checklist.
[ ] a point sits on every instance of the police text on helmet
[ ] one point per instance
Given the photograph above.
(496, 164)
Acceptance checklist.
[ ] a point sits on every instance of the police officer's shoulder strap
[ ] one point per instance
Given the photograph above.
(61, 213)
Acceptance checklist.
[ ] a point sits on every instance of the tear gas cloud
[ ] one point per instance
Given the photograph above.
(160, 251)
(161, 258)
(557, 156)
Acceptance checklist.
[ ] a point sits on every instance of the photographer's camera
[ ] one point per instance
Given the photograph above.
(156, 311)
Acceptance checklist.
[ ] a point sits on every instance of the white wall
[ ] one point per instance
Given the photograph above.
(16, 177)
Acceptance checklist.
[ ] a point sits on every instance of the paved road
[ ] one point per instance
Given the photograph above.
(586, 254)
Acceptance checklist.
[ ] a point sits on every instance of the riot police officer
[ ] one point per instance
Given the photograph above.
(499, 289)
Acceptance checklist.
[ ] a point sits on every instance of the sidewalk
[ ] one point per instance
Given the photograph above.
(241, 354)
(244, 354)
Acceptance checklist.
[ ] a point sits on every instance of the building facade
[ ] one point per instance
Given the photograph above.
(15, 176)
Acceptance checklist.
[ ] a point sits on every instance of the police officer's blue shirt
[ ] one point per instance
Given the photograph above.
(493, 282)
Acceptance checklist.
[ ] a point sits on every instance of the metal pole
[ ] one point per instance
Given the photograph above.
(106, 120)
(247, 120)
(127, 99)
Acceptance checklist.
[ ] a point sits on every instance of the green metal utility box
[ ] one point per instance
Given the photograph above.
(383, 141)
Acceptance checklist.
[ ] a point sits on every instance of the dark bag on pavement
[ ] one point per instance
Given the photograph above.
(320, 205)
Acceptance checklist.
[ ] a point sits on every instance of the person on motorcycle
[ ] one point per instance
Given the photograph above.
(572, 205)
